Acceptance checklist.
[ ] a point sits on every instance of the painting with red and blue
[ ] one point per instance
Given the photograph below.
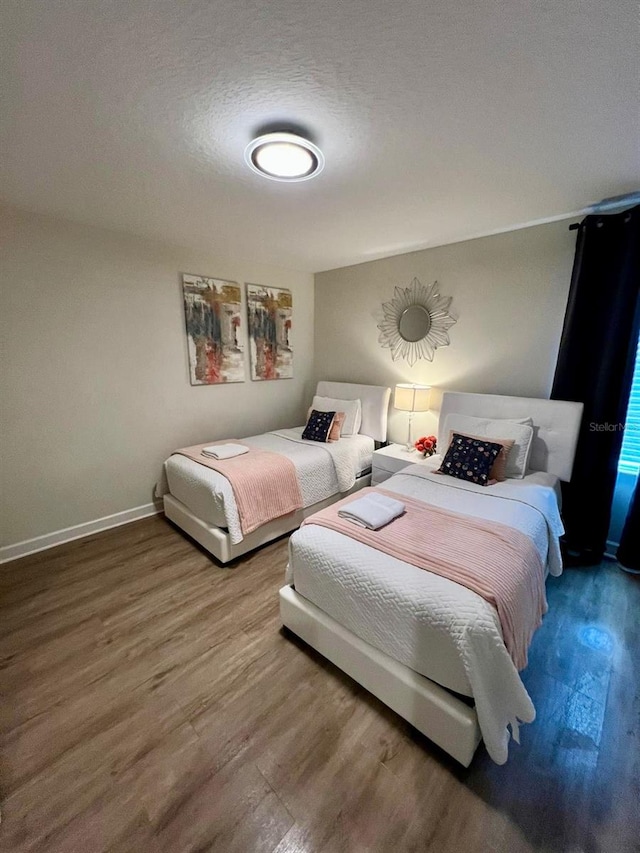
(214, 330)
(270, 313)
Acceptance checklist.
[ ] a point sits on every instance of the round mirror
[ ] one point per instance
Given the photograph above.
(415, 322)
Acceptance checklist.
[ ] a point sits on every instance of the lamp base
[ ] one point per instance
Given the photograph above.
(409, 442)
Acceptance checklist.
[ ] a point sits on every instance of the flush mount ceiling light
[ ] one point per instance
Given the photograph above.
(284, 157)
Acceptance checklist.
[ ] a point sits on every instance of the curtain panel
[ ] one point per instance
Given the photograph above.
(595, 366)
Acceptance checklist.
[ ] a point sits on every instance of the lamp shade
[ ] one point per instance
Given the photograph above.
(412, 398)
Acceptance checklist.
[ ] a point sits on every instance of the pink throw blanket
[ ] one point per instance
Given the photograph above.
(264, 483)
(498, 562)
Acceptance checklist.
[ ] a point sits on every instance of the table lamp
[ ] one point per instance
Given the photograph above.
(411, 398)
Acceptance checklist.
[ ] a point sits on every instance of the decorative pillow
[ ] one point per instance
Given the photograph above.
(520, 430)
(470, 459)
(336, 426)
(498, 470)
(352, 412)
(318, 426)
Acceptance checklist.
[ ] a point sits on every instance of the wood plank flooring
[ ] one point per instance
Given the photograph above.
(152, 703)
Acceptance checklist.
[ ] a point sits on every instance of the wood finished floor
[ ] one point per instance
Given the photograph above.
(150, 702)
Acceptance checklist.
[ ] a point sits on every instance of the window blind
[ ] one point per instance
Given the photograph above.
(630, 453)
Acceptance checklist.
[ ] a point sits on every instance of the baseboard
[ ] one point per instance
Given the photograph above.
(78, 531)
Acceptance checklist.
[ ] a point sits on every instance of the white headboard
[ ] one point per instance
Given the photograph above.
(375, 404)
(555, 423)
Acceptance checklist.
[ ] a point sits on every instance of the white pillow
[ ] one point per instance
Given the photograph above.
(519, 429)
(352, 412)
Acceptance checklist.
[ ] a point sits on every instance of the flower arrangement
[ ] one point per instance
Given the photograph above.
(426, 445)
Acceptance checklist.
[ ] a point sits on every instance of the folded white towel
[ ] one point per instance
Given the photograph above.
(224, 451)
(372, 511)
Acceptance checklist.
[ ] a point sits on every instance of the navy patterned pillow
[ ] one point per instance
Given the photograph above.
(470, 459)
(318, 426)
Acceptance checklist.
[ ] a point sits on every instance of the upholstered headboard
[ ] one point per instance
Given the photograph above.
(555, 423)
(375, 404)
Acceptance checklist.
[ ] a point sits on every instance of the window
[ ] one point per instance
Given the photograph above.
(630, 454)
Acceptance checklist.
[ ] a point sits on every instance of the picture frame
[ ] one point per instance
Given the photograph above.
(214, 326)
(270, 317)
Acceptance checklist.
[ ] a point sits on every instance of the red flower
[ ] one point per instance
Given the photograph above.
(426, 445)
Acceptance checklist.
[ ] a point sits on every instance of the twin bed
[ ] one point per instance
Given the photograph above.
(430, 648)
(201, 501)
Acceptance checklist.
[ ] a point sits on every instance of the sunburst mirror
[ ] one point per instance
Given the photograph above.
(415, 322)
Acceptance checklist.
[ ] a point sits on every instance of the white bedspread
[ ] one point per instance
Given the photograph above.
(323, 470)
(339, 574)
(345, 453)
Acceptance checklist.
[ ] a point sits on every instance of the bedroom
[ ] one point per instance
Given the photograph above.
(123, 168)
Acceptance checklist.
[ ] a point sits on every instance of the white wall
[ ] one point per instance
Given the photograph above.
(94, 376)
(509, 295)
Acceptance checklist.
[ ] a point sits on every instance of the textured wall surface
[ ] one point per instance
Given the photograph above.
(509, 295)
(94, 378)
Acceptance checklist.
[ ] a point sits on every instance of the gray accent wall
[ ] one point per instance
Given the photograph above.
(509, 295)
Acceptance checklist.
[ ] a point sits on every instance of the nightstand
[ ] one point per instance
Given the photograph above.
(391, 459)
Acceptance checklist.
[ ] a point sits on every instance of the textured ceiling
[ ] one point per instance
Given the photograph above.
(438, 120)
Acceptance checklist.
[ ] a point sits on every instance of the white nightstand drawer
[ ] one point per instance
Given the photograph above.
(393, 464)
(389, 460)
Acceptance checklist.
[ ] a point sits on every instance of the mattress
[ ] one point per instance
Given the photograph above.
(322, 471)
(436, 627)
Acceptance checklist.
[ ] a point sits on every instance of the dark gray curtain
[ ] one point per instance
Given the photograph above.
(595, 366)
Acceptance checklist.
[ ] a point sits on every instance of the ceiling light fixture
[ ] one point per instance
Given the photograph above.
(284, 157)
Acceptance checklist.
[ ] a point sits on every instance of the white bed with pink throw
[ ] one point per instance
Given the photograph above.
(418, 640)
(202, 501)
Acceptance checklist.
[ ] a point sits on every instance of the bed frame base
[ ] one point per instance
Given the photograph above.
(434, 711)
(218, 542)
